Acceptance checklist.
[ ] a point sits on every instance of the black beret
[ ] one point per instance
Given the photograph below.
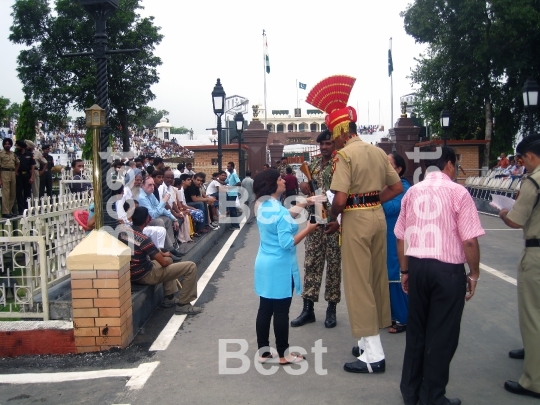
(325, 135)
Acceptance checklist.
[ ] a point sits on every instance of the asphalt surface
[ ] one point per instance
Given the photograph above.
(189, 370)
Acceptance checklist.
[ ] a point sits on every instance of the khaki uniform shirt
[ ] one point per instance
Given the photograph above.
(8, 160)
(361, 168)
(523, 212)
(40, 160)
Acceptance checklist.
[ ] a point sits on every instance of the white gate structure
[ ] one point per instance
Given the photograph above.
(33, 253)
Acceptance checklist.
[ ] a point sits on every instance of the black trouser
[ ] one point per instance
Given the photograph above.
(24, 191)
(233, 213)
(45, 181)
(279, 308)
(436, 300)
(288, 193)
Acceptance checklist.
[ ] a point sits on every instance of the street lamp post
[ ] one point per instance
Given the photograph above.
(530, 100)
(218, 102)
(239, 121)
(445, 124)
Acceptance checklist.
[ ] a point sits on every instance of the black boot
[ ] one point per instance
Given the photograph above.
(330, 321)
(307, 315)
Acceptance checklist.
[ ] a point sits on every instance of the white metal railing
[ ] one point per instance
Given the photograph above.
(34, 251)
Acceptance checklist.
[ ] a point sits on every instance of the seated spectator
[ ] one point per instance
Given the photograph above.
(189, 169)
(156, 233)
(213, 189)
(195, 214)
(78, 168)
(157, 175)
(503, 162)
(149, 266)
(518, 171)
(195, 199)
(168, 188)
(160, 215)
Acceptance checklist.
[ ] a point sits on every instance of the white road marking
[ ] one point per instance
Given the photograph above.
(139, 376)
(498, 273)
(166, 336)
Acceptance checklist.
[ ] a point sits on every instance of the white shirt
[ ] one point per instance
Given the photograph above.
(171, 190)
(177, 173)
(213, 187)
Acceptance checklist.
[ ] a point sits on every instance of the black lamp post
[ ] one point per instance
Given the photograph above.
(101, 10)
(530, 100)
(445, 123)
(218, 102)
(239, 121)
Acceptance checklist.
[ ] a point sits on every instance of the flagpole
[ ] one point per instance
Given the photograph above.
(264, 71)
(297, 102)
(391, 91)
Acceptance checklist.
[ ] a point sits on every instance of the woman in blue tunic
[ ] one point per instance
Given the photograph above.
(276, 265)
(399, 302)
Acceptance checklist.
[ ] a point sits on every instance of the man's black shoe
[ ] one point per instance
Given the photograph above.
(453, 401)
(359, 366)
(356, 352)
(517, 354)
(330, 321)
(176, 253)
(515, 388)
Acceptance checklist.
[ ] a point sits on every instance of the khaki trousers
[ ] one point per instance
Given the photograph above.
(187, 271)
(9, 184)
(35, 185)
(365, 278)
(529, 316)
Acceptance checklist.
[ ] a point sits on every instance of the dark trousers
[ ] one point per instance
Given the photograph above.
(45, 182)
(279, 308)
(233, 213)
(24, 191)
(436, 300)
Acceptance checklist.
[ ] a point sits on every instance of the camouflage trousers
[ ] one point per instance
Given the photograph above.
(320, 248)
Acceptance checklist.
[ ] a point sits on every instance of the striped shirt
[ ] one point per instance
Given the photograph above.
(143, 251)
(437, 216)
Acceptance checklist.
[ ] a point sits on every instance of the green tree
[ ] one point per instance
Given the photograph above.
(179, 130)
(148, 117)
(4, 114)
(476, 61)
(56, 84)
(26, 127)
(14, 110)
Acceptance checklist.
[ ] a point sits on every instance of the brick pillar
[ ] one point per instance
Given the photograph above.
(276, 151)
(101, 293)
(255, 137)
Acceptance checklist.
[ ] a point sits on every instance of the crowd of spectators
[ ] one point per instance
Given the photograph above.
(368, 129)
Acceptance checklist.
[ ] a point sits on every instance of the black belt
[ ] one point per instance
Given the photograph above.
(362, 199)
(532, 242)
(7, 170)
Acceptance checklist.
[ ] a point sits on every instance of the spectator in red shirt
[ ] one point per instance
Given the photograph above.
(503, 163)
(291, 184)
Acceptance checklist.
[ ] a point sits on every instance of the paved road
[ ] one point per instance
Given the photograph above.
(188, 372)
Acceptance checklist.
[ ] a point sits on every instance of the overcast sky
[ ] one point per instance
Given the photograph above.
(307, 41)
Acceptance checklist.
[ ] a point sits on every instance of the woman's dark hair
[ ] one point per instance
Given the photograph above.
(265, 183)
(400, 162)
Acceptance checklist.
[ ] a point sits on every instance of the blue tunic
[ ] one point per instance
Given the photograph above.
(276, 265)
(399, 301)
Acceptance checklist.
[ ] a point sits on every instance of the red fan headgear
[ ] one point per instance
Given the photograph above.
(331, 96)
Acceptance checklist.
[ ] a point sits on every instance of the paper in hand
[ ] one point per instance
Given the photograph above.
(501, 202)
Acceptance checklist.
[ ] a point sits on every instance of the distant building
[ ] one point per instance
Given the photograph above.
(163, 129)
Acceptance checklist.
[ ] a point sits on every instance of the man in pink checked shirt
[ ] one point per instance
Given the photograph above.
(437, 233)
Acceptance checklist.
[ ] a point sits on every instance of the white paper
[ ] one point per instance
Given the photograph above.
(501, 202)
(330, 197)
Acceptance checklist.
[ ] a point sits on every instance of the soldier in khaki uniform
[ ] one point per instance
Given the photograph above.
(41, 164)
(9, 164)
(321, 246)
(526, 214)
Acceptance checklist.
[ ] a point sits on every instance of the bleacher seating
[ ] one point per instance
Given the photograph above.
(482, 187)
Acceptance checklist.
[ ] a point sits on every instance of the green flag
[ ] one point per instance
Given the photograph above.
(302, 85)
(390, 64)
(266, 57)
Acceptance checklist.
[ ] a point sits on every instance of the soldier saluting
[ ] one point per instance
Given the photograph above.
(321, 245)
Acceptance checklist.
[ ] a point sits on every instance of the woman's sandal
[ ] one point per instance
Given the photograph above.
(266, 357)
(295, 358)
(397, 328)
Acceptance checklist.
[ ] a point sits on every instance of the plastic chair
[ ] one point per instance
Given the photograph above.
(81, 216)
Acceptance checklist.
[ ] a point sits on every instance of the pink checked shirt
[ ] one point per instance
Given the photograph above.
(436, 216)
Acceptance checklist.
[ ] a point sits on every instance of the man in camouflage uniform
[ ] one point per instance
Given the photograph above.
(282, 167)
(9, 164)
(321, 246)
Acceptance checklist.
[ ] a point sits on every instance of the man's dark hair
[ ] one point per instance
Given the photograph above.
(150, 170)
(137, 160)
(189, 164)
(157, 172)
(200, 175)
(265, 183)
(352, 128)
(266, 165)
(289, 170)
(74, 163)
(185, 176)
(177, 182)
(231, 163)
(400, 162)
(118, 163)
(129, 203)
(221, 172)
(7, 140)
(157, 161)
(447, 155)
(140, 214)
(43, 147)
(180, 166)
(531, 144)
(215, 174)
(248, 172)
(284, 158)
(21, 144)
